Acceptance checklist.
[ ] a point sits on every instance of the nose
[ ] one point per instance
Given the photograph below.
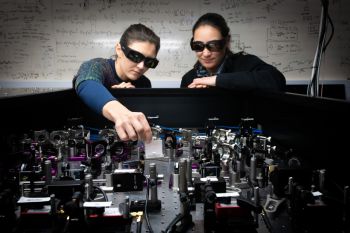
(206, 52)
(141, 65)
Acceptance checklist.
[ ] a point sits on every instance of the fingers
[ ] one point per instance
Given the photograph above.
(134, 127)
(193, 85)
(203, 82)
(198, 83)
(125, 130)
(123, 85)
(142, 128)
(129, 125)
(146, 129)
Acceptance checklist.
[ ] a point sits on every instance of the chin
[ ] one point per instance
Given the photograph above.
(133, 77)
(209, 66)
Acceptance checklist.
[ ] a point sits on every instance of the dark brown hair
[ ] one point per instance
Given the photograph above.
(214, 20)
(139, 32)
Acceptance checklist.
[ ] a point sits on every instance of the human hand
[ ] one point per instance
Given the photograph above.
(193, 85)
(123, 85)
(129, 125)
(203, 82)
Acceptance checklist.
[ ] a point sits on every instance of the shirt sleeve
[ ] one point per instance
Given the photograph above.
(270, 80)
(187, 79)
(254, 75)
(94, 95)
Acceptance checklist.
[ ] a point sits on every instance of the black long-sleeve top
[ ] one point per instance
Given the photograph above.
(244, 72)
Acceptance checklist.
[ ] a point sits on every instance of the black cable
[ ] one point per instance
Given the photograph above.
(322, 34)
(320, 48)
(329, 20)
(103, 192)
(266, 220)
(146, 204)
(177, 219)
(332, 33)
(138, 227)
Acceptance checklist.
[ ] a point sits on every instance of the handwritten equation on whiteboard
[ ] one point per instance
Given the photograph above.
(47, 40)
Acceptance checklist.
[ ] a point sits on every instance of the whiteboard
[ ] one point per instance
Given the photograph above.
(43, 42)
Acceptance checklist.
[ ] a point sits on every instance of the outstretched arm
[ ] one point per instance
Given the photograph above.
(129, 125)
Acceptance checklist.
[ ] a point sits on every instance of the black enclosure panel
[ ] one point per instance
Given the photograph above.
(316, 128)
(175, 108)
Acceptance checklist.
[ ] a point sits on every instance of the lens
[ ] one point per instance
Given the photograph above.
(197, 46)
(135, 56)
(99, 149)
(215, 45)
(151, 62)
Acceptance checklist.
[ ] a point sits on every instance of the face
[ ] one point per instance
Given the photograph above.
(129, 70)
(209, 59)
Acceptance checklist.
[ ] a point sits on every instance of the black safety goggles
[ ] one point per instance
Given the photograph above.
(212, 46)
(138, 57)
